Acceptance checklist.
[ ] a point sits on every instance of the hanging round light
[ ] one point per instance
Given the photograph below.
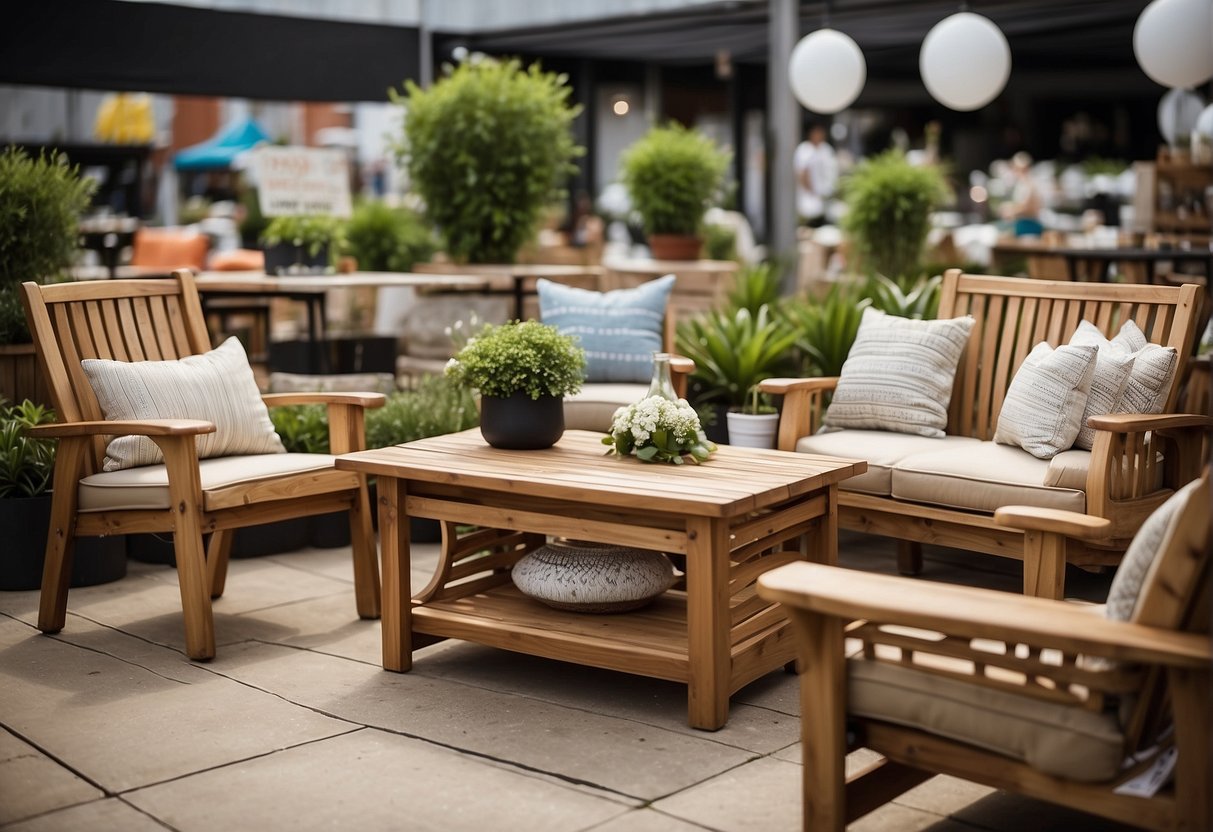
(1178, 113)
(827, 71)
(1172, 42)
(965, 61)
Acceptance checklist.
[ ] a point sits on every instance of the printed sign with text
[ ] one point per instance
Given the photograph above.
(302, 180)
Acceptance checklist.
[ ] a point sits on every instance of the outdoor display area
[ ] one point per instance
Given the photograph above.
(547, 512)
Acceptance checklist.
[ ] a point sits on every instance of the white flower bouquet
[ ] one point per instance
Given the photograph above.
(659, 430)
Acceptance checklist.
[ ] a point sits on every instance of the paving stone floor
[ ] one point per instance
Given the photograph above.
(295, 726)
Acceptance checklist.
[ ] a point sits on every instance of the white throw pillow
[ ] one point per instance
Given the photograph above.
(217, 386)
(1112, 370)
(1045, 401)
(898, 375)
(1149, 384)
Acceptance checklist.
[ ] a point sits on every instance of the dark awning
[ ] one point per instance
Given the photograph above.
(155, 47)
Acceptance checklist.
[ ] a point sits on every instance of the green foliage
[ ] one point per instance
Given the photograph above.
(672, 173)
(889, 203)
(303, 428)
(387, 239)
(488, 147)
(13, 326)
(436, 407)
(1098, 165)
(26, 464)
(253, 223)
(311, 231)
(733, 350)
(919, 299)
(530, 357)
(826, 329)
(756, 286)
(719, 242)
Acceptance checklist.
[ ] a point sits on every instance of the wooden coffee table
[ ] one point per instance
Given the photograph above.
(733, 518)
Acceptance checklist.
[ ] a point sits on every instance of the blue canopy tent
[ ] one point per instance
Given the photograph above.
(218, 151)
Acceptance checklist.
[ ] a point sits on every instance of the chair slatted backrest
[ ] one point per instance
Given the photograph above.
(1012, 315)
(124, 320)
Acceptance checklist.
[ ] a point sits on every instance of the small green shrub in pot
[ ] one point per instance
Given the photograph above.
(40, 205)
(889, 204)
(488, 147)
(304, 243)
(672, 174)
(26, 463)
(386, 239)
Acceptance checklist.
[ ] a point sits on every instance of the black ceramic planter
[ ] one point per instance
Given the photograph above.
(272, 538)
(286, 258)
(24, 523)
(520, 423)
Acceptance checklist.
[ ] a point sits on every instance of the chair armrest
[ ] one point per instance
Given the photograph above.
(366, 400)
(682, 364)
(783, 386)
(1068, 523)
(969, 612)
(120, 427)
(1133, 422)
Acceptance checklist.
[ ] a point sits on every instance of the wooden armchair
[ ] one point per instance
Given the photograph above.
(161, 319)
(1044, 698)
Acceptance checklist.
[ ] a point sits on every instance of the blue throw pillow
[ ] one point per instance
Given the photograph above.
(619, 330)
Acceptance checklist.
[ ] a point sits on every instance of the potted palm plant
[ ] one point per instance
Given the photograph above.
(672, 173)
(522, 371)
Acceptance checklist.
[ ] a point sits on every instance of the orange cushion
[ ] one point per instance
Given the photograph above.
(239, 260)
(169, 248)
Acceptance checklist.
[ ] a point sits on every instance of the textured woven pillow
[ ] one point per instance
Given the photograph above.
(619, 330)
(1112, 369)
(217, 386)
(1149, 383)
(1045, 401)
(898, 375)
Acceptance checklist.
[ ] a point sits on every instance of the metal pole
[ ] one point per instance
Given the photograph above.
(425, 48)
(783, 28)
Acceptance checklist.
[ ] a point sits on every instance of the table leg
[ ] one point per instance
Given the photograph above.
(821, 545)
(397, 593)
(708, 623)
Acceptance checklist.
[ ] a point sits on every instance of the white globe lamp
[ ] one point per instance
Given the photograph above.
(1178, 114)
(965, 61)
(827, 71)
(1172, 42)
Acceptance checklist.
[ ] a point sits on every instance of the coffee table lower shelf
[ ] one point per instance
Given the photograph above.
(651, 641)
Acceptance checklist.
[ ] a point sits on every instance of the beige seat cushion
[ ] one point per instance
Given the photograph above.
(882, 449)
(983, 477)
(146, 487)
(594, 407)
(1064, 741)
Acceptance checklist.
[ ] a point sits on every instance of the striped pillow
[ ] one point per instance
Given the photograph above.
(898, 375)
(217, 386)
(619, 330)
(1044, 404)
(1153, 370)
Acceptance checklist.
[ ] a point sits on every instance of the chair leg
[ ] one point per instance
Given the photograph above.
(218, 553)
(61, 539)
(822, 720)
(185, 495)
(909, 557)
(366, 555)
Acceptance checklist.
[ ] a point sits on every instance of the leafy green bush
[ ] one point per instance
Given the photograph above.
(26, 464)
(889, 205)
(40, 205)
(303, 428)
(311, 231)
(672, 173)
(436, 407)
(826, 329)
(733, 350)
(529, 357)
(386, 239)
(488, 147)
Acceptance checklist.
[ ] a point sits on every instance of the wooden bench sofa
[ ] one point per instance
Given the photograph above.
(945, 491)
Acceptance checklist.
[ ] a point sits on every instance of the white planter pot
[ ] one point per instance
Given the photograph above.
(752, 431)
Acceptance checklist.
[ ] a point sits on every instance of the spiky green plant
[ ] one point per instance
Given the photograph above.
(756, 286)
(825, 329)
(919, 299)
(733, 350)
(26, 463)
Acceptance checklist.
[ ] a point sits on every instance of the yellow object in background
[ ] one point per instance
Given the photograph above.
(124, 118)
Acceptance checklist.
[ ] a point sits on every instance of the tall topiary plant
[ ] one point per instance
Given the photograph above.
(488, 147)
(672, 173)
(889, 205)
(40, 205)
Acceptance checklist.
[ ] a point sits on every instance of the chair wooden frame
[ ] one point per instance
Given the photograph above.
(158, 319)
(1163, 658)
(1011, 316)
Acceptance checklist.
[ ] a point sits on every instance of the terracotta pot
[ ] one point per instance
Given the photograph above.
(520, 423)
(674, 246)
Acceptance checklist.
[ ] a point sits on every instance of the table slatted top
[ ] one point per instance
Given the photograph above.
(731, 482)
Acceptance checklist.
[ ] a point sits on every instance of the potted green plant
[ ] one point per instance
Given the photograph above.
(488, 147)
(305, 244)
(386, 239)
(522, 371)
(889, 204)
(26, 468)
(733, 350)
(672, 173)
(41, 200)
